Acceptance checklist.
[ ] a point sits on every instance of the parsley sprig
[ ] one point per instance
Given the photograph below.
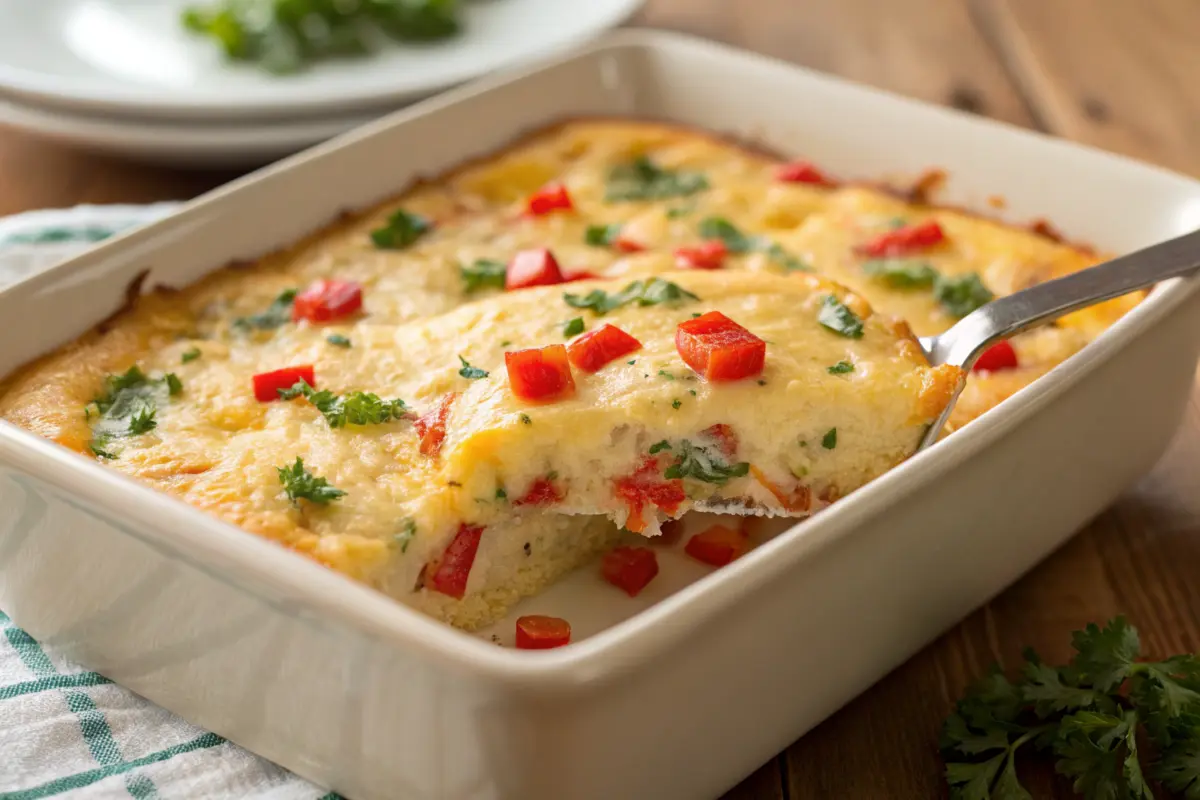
(354, 408)
(644, 293)
(1088, 715)
(401, 230)
(642, 179)
(128, 406)
(959, 295)
(702, 464)
(300, 484)
(470, 372)
(482, 273)
(837, 317)
(276, 315)
(737, 242)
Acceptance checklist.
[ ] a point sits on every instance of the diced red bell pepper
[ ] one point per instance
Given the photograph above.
(594, 349)
(902, 241)
(537, 632)
(551, 197)
(719, 349)
(431, 426)
(629, 568)
(626, 245)
(450, 576)
(1001, 355)
(717, 546)
(268, 384)
(540, 374)
(542, 492)
(710, 255)
(532, 268)
(646, 487)
(802, 172)
(327, 300)
(725, 437)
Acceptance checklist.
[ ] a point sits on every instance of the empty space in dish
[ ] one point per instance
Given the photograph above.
(215, 616)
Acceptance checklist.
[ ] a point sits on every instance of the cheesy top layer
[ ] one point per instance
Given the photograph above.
(215, 446)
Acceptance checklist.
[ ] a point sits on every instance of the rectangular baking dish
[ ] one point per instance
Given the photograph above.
(688, 695)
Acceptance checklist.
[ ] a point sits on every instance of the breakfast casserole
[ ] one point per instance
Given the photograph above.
(470, 390)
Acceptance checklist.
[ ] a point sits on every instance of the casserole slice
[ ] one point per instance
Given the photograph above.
(740, 391)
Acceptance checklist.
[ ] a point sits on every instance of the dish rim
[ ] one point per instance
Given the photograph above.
(250, 563)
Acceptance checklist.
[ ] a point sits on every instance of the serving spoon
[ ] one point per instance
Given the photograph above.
(1007, 316)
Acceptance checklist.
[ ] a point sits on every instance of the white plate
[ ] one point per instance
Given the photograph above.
(132, 57)
(179, 144)
(674, 701)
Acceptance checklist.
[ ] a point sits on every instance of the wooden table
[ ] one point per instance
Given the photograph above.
(1113, 73)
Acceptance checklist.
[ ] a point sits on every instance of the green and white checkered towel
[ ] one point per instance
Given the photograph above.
(64, 731)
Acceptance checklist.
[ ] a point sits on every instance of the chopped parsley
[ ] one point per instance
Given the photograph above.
(829, 440)
(680, 211)
(572, 327)
(279, 313)
(300, 484)
(676, 404)
(737, 242)
(961, 295)
(501, 494)
(840, 368)
(189, 356)
(644, 292)
(642, 179)
(658, 447)
(525, 419)
(901, 273)
(128, 406)
(837, 317)
(602, 235)
(506, 343)
(401, 230)
(483, 273)
(355, 408)
(631, 361)
(666, 374)
(408, 530)
(701, 464)
(337, 340)
(469, 372)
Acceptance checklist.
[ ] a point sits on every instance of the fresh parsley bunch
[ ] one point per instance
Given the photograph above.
(1092, 716)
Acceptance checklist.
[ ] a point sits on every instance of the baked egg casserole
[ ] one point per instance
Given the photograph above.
(470, 390)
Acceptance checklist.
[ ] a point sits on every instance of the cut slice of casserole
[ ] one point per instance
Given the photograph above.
(730, 390)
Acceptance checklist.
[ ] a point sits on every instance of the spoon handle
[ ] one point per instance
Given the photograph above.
(1048, 301)
(1010, 315)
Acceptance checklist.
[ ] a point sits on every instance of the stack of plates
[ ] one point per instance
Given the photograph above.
(123, 76)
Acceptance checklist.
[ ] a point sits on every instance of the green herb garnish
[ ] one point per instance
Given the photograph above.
(354, 408)
(525, 419)
(658, 447)
(483, 273)
(663, 373)
(143, 421)
(642, 179)
(961, 295)
(644, 292)
(676, 404)
(189, 356)
(840, 368)
(837, 317)
(680, 211)
(501, 494)
(401, 231)
(829, 440)
(1088, 714)
(128, 406)
(602, 235)
(469, 372)
(279, 313)
(901, 273)
(300, 484)
(737, 242)
(572, 327)
(701, 464)
(408, 530)
(337, 340)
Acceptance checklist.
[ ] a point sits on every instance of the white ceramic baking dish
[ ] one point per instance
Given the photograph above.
(678, 698)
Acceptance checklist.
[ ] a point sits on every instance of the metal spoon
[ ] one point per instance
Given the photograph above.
(1007, 316)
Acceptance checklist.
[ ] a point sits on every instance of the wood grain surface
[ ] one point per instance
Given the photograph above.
(1114, 73)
